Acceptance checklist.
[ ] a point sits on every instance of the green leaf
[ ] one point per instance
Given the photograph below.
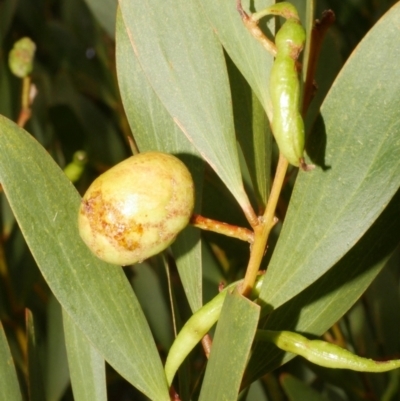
(250, 57)
(105, 12)
(358, 172)
(57, 377)
(154, 129)
(253, 133)
(35, 372)
(185, 66)
(9, 389)
(296, 390)
(86, 365)
(231, 347)
(317, 308)
(256, 392)
(254, 63)
(96, 295)
(147, 285)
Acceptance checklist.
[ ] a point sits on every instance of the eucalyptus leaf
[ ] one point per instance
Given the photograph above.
(154, 129)
(231, 347)
(35, 373)
(9, 389)
(184, 63)
(96, 295)
(56, 378)
(253, 134)
(297, 390)
(86, 366)
(250, 57)
(105, 12)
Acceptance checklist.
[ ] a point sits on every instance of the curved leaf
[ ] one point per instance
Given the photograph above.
(231, 347)
(358, 173)
(154, 129)
(9, 389)
(253, 134)
(184, 64)
(296, 390)
(253, 61)
(35, 373)
(105, 11)
(56, 379)
(86, 366)
(96, 295)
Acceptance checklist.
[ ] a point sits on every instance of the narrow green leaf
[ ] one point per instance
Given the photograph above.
(253, 61)
(185, 66)
(105, 12)
(318, 307)
(358, 172)
(253, 134)
(147, 286)
(57, 377)
(231, 347)
(86, 365)
(9, 389)
(256, 392)
(35, 372)
(96, 295)
(296, 390)
(154, 129)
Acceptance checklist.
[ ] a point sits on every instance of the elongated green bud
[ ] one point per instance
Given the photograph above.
(323, 353)
(287, 122)
(21, 57)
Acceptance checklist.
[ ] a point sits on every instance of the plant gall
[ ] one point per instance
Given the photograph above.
(137, 208)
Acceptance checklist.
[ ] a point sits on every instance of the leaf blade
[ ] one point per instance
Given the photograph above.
(96, 295)
(148, 118)
(235, 331)
(9, 390)
(86, 365)
(184, 63)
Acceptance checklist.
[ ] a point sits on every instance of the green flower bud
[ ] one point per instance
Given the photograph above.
(74, 170)
(136, 209)
(21, 57)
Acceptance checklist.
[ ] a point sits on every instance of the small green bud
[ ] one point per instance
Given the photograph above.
(74, 170)
(137, 208)
(21, 57)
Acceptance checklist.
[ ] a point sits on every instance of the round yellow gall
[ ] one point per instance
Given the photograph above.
(137, 208)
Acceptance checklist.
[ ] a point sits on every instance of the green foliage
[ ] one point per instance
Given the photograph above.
(193, 82)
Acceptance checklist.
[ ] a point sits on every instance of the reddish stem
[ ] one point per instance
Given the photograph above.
(220, 227)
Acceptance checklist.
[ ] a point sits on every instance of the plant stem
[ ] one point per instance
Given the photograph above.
(26, 101)
(219, 227)
(252, 25)
(206, 342)
(318, 33)
(261, 232)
